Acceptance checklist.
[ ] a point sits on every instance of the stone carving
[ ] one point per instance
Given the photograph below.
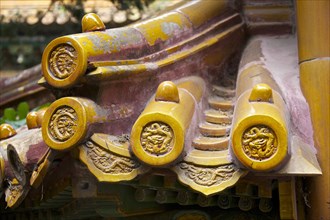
(157, 138)
(63, 123)
(208, 176)
(259, 142)
(63, 61)
(107, 162)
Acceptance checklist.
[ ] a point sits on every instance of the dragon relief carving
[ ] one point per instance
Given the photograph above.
(259, 142)
(208, 176)
(63, 61)
(63, 123)
(157, 138)
(107, 162)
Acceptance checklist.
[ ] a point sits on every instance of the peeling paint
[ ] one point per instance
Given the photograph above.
(163, 28)
(169, 28)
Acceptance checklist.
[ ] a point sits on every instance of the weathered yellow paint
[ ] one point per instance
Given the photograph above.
(249, 114)
(105, 72)
(163, 27)
(67, 120)
(93, 47)
(208, 8)
(176, 115)
(236, 29)
(44, 164)
(313, 29)
(92, 22)
(6, 131)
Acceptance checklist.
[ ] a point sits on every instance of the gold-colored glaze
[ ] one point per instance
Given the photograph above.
(61, 56)
(108, 159)
(38, 175)
(268, 13)
(313, 22)
(287, 199)
(63, 123)
(194, 85)
(214, 130)
(173, 114)
(259, 142)
(259, 132)
(157, 137)
(64, 61)
(167, 91)
(313, 34)
(34, 119)
(67, 120)
(208, 180)
(209, 8)
(92, 22)
(315, 81)
(31, 120)
(40, 116)
(222, 104)
(211, 143)
(253, 75)
(6, 131)
(103, 72)
(208, 158)
(218, 117)
(261, 93)
(43, 166)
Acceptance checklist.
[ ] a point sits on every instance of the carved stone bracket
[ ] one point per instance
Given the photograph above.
(208, 180)
(108, 159)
